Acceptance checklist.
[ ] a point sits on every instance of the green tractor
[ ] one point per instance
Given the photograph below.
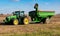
(40, 16)
(18, 17)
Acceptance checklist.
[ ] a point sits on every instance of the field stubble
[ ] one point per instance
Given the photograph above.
(52, 29)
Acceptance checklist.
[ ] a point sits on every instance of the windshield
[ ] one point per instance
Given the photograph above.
(21, 13)
(16, 12)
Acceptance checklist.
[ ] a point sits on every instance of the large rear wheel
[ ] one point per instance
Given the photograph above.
(26, 21)
(15, 22)
(46, 21)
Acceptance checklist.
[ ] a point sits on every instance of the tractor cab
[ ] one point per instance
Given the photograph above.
(18, 13)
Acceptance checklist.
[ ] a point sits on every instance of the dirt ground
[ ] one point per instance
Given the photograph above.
(21, 29)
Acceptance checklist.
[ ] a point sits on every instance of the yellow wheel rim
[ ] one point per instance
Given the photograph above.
(26, 21)
(15, 22)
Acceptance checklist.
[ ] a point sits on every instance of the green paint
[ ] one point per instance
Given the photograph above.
(10, 18)
(15, 15)
(45, 13)
(39, 15)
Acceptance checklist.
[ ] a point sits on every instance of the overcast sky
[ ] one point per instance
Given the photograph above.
(8, 6)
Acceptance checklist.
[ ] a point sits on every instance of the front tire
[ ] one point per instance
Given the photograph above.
(15, 22)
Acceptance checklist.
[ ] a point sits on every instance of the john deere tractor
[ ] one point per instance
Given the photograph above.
(40, 16)
(18, 17)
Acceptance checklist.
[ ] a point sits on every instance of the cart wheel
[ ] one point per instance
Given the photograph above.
(47, 20)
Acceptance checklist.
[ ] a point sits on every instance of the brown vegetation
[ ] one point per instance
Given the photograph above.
(53, 27)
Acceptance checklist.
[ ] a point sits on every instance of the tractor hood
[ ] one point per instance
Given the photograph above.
(8, 18)
(13, 16)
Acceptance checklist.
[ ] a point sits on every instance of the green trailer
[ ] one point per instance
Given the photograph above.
(40, 16)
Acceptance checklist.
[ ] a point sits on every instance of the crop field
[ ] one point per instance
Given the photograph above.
(38, 29)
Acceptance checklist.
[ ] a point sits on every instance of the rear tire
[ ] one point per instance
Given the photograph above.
(25, 21)
(46, 21)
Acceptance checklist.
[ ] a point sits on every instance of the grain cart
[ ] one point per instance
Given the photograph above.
(40, 16)
(18, 17)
